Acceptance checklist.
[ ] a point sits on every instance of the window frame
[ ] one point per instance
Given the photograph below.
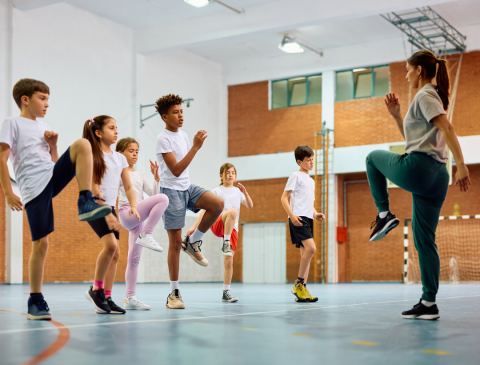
(372, 72)
(307, 91)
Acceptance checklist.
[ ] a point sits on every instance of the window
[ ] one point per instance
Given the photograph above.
(362, 83)
(297, 91)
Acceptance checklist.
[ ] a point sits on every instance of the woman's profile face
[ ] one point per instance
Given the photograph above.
(413, 75)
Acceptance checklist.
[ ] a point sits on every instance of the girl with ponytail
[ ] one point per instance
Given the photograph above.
(109, 168)
(421, 170)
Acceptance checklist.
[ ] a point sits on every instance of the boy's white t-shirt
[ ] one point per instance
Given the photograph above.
(29, 154)
(232, 197)
(115, 162)
(178, 143)
(140, 184)
(302, 197)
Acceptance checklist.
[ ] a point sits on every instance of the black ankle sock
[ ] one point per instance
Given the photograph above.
(36, 296)
(301, 280)
(84, 193)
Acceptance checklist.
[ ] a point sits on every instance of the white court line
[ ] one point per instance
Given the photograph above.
(207, 317)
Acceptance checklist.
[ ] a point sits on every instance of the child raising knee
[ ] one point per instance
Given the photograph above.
(300, 189)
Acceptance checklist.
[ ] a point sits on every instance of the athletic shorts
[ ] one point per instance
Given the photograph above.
(40, 209)
(217, 230)
(179, 202)
(100, 226)
(299, 234)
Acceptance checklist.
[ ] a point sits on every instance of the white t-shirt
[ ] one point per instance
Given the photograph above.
(116, 162)
(302, 197)
(29, 154)
(232, 197)
(178, 143)
(140, 184)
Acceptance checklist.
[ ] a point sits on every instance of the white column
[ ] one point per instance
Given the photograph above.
(328, 115)
(14, 247)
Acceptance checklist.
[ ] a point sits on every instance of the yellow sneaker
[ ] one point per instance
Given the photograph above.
(300, 292)
(311, 298)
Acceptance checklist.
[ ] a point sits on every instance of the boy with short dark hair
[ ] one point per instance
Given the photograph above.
(300, 189)
(41, 175)
(174, 155)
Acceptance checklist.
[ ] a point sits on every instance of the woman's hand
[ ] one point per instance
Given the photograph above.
(154, 170)
(462, 178)
(133, 211)
(393, 105)
(320, 217)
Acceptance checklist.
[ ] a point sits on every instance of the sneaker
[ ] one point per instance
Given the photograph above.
(38, 309)
(115, 308)
(421, 311)
(228, 298)
(147, 240)
(89, 209)
(132, 302)
(383, 226)
(226, 250)
(98, 300)
(311, 297)
(300, 293)
(193, 249)
(174, 300)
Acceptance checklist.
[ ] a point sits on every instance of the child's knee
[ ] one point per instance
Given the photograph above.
(219, 204)
(233, 213)
(228, 262)
(41, 246)
(111, 247)
(162, 199)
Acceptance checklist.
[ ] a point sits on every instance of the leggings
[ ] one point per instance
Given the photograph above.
(151, 208)
(427, 180)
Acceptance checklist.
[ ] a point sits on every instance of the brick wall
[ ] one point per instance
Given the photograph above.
(73, 246)
(253, 129)
(2, 236)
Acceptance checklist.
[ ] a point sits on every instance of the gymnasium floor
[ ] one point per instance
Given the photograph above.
(351, 323)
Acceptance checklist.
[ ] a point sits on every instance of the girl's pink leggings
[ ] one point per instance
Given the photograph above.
(151, 208)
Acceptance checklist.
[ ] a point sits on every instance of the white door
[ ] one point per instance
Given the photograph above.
(264, 253)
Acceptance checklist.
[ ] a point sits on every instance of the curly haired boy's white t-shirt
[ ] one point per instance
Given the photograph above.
(115, 162)
(29, 154)
(178, 143)
(302, 197)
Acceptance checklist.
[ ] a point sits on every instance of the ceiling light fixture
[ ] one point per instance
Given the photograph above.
(289, 45)
(201, 3)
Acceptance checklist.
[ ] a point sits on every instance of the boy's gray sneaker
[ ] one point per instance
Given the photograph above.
(228, 298)
(226, 250)
(193, 250)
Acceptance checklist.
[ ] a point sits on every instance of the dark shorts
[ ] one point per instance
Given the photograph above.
(40, 209)
(100, 226)
(299, 234)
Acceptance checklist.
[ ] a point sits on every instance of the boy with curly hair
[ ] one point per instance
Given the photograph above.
(174, 155)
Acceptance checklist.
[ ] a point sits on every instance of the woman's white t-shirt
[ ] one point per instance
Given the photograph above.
(232, 197)
(29, 154)
(140, 184)
(302, 197)
(178, 143)
(115, 162)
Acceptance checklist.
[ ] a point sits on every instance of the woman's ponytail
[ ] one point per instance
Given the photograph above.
(89, 128)
(443, 82)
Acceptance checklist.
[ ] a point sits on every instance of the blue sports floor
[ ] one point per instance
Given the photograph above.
(350, 324)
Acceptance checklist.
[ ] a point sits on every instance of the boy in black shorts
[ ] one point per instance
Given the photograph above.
(300, 189)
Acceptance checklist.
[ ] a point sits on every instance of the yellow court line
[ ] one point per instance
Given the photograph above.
(300, 335)
(436, 352)
(248, 328)
(364, 343)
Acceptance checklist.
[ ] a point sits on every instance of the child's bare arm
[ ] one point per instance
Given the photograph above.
(318, 216)
(296, 220)
(196, 224)
(13, 201)
(177, 167)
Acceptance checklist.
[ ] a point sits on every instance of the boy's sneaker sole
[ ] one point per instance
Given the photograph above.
(431, 317)
(47, 317)
(100, 212)
(97, 309)
(185, 249)
(388, 227)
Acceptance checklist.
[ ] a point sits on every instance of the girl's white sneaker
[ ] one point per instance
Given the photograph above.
(147, 240)
(133, 303)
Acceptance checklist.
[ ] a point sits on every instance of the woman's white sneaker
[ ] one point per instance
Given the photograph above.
(146, 240)
(133, 303)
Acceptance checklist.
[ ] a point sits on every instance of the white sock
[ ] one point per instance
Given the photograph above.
(173, 286)
(427, 304)
(383, 214)
(226, 237)
(196, 236)
(226, 287)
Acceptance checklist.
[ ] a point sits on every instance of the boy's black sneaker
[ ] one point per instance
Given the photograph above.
(38, 308)
(98, 300)
(115, 308)
(89, 209)
(382, 226)
(421, 311)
